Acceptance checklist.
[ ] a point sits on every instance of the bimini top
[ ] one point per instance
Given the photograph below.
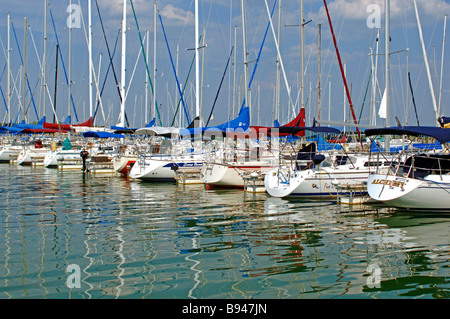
(440, 134)
(102, 134)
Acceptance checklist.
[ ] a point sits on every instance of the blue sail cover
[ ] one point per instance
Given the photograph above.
(37, 126)
(323, 145)
(239, 124)
(102, 134)
(10, 129)
(440, 134)
(152, 123)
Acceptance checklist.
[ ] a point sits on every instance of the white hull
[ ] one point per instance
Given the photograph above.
(230, 175)
(322, 182)
(52, 158)
(124, 164)
(161, 168)
(9, 152)
(430, 194)
(32, 156)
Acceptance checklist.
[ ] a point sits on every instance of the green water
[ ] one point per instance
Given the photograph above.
(146, 240)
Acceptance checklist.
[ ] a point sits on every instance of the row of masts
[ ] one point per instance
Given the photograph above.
(246, 91)
(122, 121)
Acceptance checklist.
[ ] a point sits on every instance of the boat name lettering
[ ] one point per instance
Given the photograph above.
(388, 182)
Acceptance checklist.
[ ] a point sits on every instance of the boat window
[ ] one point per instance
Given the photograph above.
(373, 164)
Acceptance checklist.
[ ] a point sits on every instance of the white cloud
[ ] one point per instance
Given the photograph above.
(357, 9)
(177, 15)
(434, 7)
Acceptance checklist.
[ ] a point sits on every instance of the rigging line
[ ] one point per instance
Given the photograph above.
(184, 88)
(62, 62)
(259, 54)
(134, 70)
(42, 69)
(412, 95)
(106, 75)
(173, 67)
(145, 60)
(220, 86)
(1, 91)
(342, 70)
(110, 58)
(92, 69)
(365, 95)
(109, 51)
(26, 77)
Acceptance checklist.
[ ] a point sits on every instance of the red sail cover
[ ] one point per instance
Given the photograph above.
(67, 127)
(42, 130)
(89, 123)
(298, 121)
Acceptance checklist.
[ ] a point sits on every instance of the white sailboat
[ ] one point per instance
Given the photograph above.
(32, 154)
(236, 160)
(9, 152)
(315, 175)
(53, 158)
(422, 182)
(160, 163)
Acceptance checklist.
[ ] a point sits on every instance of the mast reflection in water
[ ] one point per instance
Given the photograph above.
(146, 240)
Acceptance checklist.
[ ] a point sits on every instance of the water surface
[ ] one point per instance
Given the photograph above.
(160, 240)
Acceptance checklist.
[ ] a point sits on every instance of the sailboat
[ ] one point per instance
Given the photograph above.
(241, 156)
(319, 175)
(33, 154)
(422, 182)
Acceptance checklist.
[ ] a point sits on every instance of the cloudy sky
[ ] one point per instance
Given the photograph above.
(220, 21)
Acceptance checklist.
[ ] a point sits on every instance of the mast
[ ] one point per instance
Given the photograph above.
(56, 84)
(302, 54)
(345, 99)
(154, 59)
(44, 59)
(8, 71)
(442, 64)
(146, 81)
(197, 70)
(374, 82)
(387, 57)
(123, 66)
(427, 67)
(176, 91)
(319, 74)
(234, 72)
(25, 23)
(69, 83)
(244, 50)
(277, 92)
(203, 69)
(329, 99)
(90, 58)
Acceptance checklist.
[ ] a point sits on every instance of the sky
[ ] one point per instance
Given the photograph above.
(356, 24)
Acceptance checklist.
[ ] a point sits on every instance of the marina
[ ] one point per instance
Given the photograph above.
(217, 184)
